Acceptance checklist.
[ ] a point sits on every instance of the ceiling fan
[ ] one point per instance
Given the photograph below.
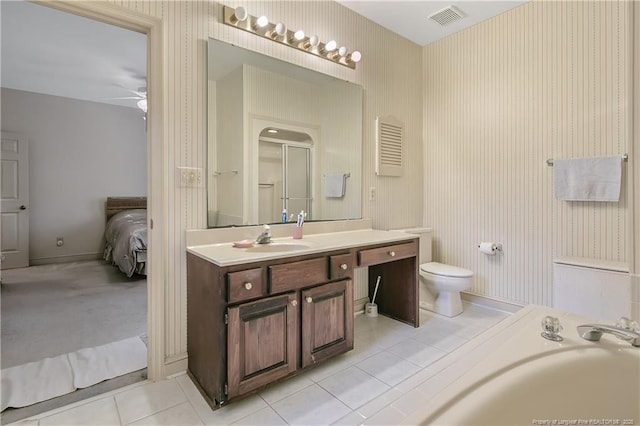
(140, 95)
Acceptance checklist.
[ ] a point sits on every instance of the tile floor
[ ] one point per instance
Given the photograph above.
(376, 383)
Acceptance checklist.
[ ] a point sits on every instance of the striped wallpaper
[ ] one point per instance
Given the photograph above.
(483, 109)
(544, 80)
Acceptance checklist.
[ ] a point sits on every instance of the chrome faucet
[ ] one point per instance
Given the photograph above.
(265, 236)
(625, 329)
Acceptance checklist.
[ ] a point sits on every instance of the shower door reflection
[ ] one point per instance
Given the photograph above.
(297, 194)
(284, 179)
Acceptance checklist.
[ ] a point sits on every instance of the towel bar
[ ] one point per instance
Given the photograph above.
(625, 157)
(347, 175)
(218, 173)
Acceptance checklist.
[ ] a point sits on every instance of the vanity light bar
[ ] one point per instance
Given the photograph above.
(261, 26)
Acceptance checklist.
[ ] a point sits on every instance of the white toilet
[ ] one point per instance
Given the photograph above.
(440, 284)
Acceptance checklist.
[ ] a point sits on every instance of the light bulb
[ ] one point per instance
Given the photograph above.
(281, 29)
(262, 21)
(331, 46)
(142, 104)
(355, 56)
(342, 51)
(299, 35)
(240, 13)
(314, 41)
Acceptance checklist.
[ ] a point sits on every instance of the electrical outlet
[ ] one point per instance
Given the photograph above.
(190, 177)
(372, 193)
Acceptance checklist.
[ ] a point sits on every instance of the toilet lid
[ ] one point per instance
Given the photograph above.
(436, 268)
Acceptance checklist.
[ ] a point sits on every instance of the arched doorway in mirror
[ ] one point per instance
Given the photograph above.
(285, 174)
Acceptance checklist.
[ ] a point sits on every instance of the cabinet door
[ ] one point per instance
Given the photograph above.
(327, 321)
(262, 342)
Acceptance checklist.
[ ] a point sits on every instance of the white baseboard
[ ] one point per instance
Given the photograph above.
(476, 299)
(176, 364)
(358, 305)
(491, 302)
(65, 259)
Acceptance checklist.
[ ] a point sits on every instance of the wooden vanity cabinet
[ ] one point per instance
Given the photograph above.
(250, 325)
(255, 323)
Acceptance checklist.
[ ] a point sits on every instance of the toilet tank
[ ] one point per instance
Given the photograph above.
(425, 235)
(600, 289)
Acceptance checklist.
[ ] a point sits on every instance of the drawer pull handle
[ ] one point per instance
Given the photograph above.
(344, 267)
(248, 286)
(294, 303)
(392, 253)
(309, 299)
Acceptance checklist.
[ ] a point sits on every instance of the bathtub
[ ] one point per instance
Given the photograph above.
(513, 376)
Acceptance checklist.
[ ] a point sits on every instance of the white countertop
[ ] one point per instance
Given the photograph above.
(224, 254)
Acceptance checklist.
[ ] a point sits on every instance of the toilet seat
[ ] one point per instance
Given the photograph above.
(443, 270)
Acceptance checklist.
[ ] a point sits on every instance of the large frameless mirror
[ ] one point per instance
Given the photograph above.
(281, 138)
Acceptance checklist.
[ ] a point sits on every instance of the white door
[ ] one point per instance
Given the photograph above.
(14, 201)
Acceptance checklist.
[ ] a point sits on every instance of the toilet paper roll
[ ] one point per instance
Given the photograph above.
(487, 248)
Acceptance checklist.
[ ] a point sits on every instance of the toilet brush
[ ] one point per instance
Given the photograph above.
(375, 291)
(371, 309)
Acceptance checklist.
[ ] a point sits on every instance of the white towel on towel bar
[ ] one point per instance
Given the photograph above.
(334, 184)
(588, 179)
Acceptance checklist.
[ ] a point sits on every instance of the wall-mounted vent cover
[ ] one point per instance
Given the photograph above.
(447, 15)
(389, 146)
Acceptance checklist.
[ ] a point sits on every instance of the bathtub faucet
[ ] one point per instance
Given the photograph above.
(625, 330)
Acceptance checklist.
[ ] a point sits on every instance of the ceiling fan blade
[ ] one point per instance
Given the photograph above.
(141, 93)
(127, 97)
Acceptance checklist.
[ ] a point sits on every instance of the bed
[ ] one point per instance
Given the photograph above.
(126, 234)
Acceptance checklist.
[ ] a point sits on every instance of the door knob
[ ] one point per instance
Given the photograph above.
(309, 299)
(23, 207)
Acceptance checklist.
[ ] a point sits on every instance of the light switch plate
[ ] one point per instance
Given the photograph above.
(190, 177)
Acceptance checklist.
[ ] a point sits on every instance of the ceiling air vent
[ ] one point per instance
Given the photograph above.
(447, 15)
(389, 146)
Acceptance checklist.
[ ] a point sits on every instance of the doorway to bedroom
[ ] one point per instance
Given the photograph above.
(79, 319)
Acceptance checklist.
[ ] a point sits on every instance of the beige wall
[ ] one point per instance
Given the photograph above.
(390, 73)
(634, 170)
(227, 189)
(74, 168)
(544, 80)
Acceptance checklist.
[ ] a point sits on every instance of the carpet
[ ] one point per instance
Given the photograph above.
(52, 310)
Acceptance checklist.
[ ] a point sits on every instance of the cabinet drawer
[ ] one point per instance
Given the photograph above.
(245, 285)
(341, 266)
(295, 275)
(386, 254)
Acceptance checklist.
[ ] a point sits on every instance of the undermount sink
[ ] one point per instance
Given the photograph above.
(277, 247)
